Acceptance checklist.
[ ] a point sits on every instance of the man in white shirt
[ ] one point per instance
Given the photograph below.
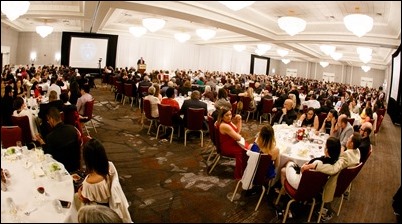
(312, 102)
(54, 86)
(85, 97)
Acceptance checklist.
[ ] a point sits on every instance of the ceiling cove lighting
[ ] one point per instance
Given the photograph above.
(239, 47)
(206, 34)
(282, 52)
(285, 61)
(291, 25)
(14, 9)
(236, 5)
(182, 37)
(324, 63)
(44, 30)
(366, 68)
(327, 49)
(358, 24)
(137, 31)
(153, 24)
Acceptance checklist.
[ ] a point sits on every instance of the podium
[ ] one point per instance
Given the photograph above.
(142, 68)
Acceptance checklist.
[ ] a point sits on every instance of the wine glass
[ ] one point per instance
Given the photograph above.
(42, 194)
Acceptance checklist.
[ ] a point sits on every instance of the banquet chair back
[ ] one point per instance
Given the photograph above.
(118, 201)
(246, 106)
(379, 122)
(311, 185)
(119, 90)
(128, 92)
(364, 160)
(88, 115)
(219, 153)
(10, 135)
(233, 98)
(142, 92)
(211, 129)
(72, 117)
(148, 115)
(321, 118)
(165, 119)
(381, 111)
(256, 174)
(345, 178)
(267, 105)
(197, 117)
(23, 123)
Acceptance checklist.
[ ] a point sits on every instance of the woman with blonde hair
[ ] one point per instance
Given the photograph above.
(157, 93)
(293, 98)
(249, 93)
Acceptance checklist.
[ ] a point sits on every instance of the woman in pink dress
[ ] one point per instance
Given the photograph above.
(229, 135)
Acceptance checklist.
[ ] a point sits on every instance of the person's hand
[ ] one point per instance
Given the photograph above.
(284, 110)
(306, 167)
(333, 121)
(274, 109)
(237, 118)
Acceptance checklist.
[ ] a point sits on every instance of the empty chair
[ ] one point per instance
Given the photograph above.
(255, 174)
(23, 123)
(165, 119)
(10, 135)
(88, 115)
(128, 92)
(148, 115)
(311, 185)
(119, 88)
(267, 105)
(196, 124)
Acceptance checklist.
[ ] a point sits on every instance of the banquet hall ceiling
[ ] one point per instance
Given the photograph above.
(256, 24)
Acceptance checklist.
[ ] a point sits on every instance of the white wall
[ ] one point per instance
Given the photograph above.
(168, 54)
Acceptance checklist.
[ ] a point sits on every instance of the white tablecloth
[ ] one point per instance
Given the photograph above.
(298, 151)
(22, 188)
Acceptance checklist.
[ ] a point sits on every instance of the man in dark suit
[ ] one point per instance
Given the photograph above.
(365, 131)
(193, 102)
(140, 61)
(63, 142)
(44, 108)
(287, 114)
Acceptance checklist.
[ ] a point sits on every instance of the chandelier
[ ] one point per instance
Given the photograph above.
(324, 63)
(182, 37)
(206, 34)
(364, 50)
(259, 52)
(285, 61)
(44, 30)
(336, 55)
(358, 24)
(14, 9)
(365, 58)
(282, 52)
(153, 24)
(366, 68)
(239, 47)
(137, 31)
(264, 47)
(236, 5)
(327, 49)
(291, 25)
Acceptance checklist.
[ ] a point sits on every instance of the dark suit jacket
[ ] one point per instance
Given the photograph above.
(364, 148)
(288, 118)
(193, 104)
(64, 145)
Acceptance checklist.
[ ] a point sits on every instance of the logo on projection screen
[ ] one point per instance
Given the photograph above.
(88, 51)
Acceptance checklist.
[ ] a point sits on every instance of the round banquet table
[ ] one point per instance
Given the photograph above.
(27, 173)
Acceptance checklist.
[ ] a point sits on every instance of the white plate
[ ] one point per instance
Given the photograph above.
(55, 166)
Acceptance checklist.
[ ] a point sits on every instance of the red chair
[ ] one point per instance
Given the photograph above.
(364, 160)
(256, 174)
(142, 92)
(165, 119)
(119, 90)
(246, 107)
(311, 185)
(321, 118)
(233, 98)
(381, 112)
(88, 115)
(72, 117)
(197, 117)
(128, 93)
(219, 153)
(10, 135)
(23, 123)
(344, 183)
(267, 105)
(148, 115)
(234, 108)
(211, 130)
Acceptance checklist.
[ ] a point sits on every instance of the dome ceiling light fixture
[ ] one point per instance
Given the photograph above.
(206, 34)
(282, 52)
(153, 24)
(259, 52)
(366, 68)
(239, 47)
(137, 31)
(336, 55)
(292, 25)
(358, 24)
(44, 30)
(264, 47)
(324, 63)
(285, 61)
(182, 37)
(364, 51)
(365, 58)
(236, 5)
(14, 9)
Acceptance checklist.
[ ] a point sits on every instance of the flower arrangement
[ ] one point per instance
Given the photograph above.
(300, 134)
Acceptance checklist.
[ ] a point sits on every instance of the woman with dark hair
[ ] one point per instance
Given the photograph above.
(310, 119)
(36, 90)
(345, 109)
(19, 89)
(95, 188)
(332, 117)
(229, 136)
(7, 106)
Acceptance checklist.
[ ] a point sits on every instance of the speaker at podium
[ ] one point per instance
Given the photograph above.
(142, 68)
